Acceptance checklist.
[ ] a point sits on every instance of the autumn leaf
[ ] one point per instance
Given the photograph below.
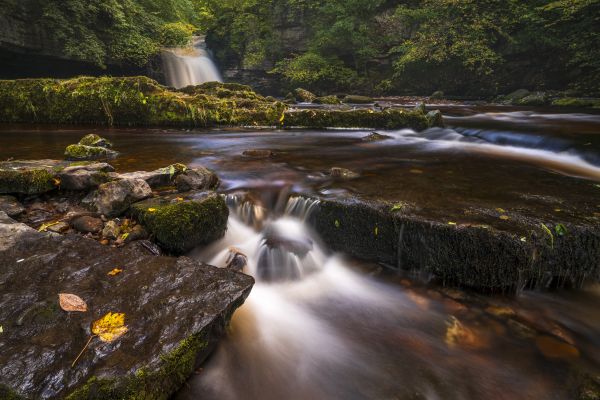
(115, 272)
(44, 227)
(504, 217)
(152, 210)
(1, 329)
(110, 327)
(71, 303)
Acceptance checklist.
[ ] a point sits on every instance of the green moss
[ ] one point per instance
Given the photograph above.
(94, 140)
(179, 226)
(327, 100)
(29, 181)
(388, 119)
(304, 95)
(8, 394)
(83, 152)
(576, 102)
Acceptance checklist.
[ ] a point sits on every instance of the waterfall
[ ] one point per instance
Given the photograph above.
(190, 65)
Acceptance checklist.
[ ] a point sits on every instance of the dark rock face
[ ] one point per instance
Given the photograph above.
(87, 224)
(181, 223)
(478, 257)
(175, 311)
(11, 206)
(114, 198)
(196, 179)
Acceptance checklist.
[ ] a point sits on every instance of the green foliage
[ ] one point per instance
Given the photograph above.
(176, 34)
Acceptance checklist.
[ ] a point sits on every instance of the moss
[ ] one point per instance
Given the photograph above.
(179, 226)
(388, 119)
(327, 100)
(304, 95)
(351, 99)
(8, 394)
(94, 140)
(83, 152)
(576, 102)
(28, 181)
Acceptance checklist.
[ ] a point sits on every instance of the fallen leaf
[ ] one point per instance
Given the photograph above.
(451, 223)
(44, 227)
(179, 199)
(56, 181)
(1, 329)
(500, 210)
(71, 303)
(504, 217)
(152, 210)
(115, 272)
(416, 171)
(110, 327)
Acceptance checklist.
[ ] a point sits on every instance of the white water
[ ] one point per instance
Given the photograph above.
(189, 66)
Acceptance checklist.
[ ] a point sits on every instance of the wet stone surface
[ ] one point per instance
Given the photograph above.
(175, 309)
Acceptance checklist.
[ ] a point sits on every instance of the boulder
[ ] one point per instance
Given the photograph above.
(29, 177)
(196, 179)
(87, 224)
(375, 137)
(11, 206)
(181, 223)
(158, 178)
(516, 95)
(435, 119)
(236, 260)
(94, 140)
(290, 99)
(437, 95)
(11, 234)
(354, 99)
(84, 176)
(534, 99)
(332, 100)
(303, 95)
(175, 311)
(111, 230)
(80, 152)
(337, 172)
(114, 198)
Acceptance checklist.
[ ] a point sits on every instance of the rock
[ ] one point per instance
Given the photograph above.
(80, 152)
(356, 118)
(276, 238)
(534, 99)
(236, 260)
(159, 178)
(435, 119)
(375, 137)
(353, 99)
(29, 177)
(576, 102)
(421, 108)
(180, 224)
(95, 141)
(437, 95)
(197, 179)
(290, 98)
(137, 233)
(60, 227)
(175, 309)
(114, 198)
(516, 95)
(303, 95)
(258, 153)
(327, 100)
(111, 230)
(150, 247)
(11, 206)
(337, 172)
(85, 176)
(11, 234)
(87, 224)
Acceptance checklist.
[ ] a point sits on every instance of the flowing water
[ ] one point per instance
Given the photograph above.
(190, 65)
(321, 326)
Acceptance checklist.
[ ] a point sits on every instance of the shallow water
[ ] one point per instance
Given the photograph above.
(332, 328)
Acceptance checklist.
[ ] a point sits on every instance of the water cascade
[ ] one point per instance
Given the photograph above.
(189, 65)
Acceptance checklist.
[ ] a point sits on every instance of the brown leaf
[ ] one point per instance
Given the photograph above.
(72, 303)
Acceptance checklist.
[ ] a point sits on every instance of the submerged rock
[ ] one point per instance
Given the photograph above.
(79, 152)
(114, 198)
(175, 311)
(29, 177)
(11, 206)
(84, 176)
(375, 137)
(197, 179)
(179, 224)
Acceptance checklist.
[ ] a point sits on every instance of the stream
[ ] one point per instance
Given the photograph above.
(319, 325)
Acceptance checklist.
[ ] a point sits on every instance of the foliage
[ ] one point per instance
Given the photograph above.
(176, 34)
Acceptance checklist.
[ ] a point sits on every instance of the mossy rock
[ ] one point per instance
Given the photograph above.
(534, 99)
(576, 102)
(181, 223)
(29, 177)
(387, 119)
(353, 99)
(332, 100)
(94, 140)
(79, 152)
(304, 95)
(437, 95)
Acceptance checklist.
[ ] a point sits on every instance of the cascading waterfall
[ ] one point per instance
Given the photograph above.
(189, 66)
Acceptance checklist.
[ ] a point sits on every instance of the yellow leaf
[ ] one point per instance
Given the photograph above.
(451, 223)
(1, 329)
(115, 272)
(124, 236)
(500, 210)
(416, 171)
(282, 118)
(71, 303)
(110, 327)
(152, 210)
(56, 181)
(44, 227)
(504, 217)
(179, 199)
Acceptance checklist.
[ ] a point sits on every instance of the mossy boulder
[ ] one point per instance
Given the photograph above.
(29, 177)
(181, 223)
(94, 140)
(364, 118)
(158, 178)
(304, 95)
(114, 198)
(534, 99)
(435, 119)
(331, 100)
(576, 102)
(80, 152)
(354, 99)
(437, 95)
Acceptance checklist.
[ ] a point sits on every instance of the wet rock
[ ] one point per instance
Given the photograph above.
(11, 206)
(421, 108)
(137, 233)
(159, 178)
(534, 99)
(331, 100)
(197, 179)
(435, 119)
(276, 239)
(111, 230)
(516, 96)
(60, 227)
(179, 224)
(150, 247)
(175, 310)
(353, 99)
(94, 140)
(258, 153)
(85, 176)
(29, 177)
(437, 95)
(87, 224)
(290, 98)
(114, 198)
(303, 95)
(375, 137)
(343, 173)
(12, 233)
(79, 152)
(236, 260)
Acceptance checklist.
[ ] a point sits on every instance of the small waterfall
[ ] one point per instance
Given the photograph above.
(189, 66)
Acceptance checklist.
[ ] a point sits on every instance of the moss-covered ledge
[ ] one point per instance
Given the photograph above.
(141, 101)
